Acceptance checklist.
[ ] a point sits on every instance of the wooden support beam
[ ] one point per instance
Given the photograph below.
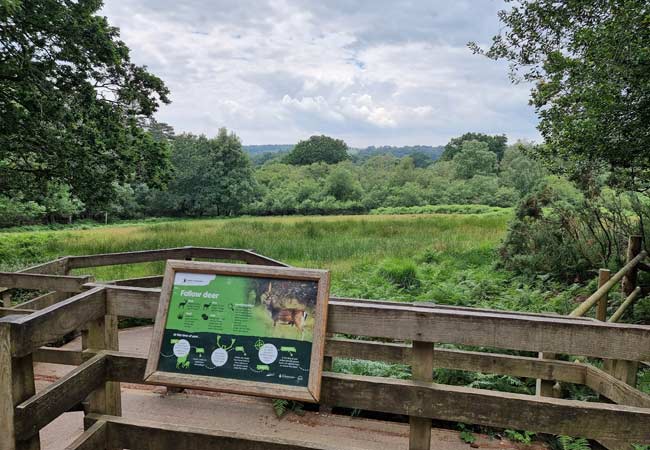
(52, 323)
(54, 355)
(629, 301)
(60, 396)
(62, 283)
(94, 438)
(45, 300)
(4, 312)
(16, 386)
(422, 370)
(102, 334)
(634, 249)
(614, 389)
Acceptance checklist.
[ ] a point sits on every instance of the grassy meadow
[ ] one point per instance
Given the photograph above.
(445, 258)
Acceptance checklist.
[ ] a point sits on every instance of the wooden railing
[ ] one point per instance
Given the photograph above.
(407, 332)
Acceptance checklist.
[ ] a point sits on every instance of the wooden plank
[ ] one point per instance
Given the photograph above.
(518, 366)
(490, 408)
(60, 396)
(111, 259)
(460, 404)
(54, 355)
(92, 439)
(147, 435)
(102, 334)
(146, 282)
(16, 385)
(136, 302)
(4, 312)
(615, 390)
(63, 283)
(421, 370)
(52, 323)
(45, 300)
(247, 256)
(504, 330)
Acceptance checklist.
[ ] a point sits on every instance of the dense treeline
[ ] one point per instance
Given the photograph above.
(215, 177)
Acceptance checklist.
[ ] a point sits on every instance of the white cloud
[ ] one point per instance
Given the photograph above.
(371, 72)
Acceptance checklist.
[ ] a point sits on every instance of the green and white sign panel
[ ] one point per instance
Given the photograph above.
(260, 329)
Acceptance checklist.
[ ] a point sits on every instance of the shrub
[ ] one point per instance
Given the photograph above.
(400, 272)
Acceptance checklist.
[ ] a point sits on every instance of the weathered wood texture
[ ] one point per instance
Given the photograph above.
(499, 409)
(146, 282)
(62, 283)
(102, 334)
(52, 323)
(60, 396)
(556, 416)
(16, 385)
(575, 336)
(94, 438)
(421, 370)
(146, 435)
(45, 300)
(112, 259)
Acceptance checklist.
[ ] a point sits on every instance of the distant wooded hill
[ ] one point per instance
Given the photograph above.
(432, 152)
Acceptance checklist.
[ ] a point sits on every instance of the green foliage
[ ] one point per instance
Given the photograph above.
(372, 368)
(496, 144)
(403, 273)
(281, 407)
(442, 209)
(523, 437)
(588, 63)
(466, 434)
(474, 158)
(70, 105)
(571, 443)
(318, 149)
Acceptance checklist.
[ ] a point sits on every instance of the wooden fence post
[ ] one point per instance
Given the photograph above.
(626, 371)
(603, 277)
(547, 388)
(422, 370)
(5, 299)
(102, 334)
(16, 386)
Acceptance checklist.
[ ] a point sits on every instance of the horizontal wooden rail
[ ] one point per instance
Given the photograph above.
(405, 322)
(247, 256)
(48, 325)
(629, 301)
(45, 300)
(60, 396)
(4, 312)
(112, 259)
(518, 366)
(605, 288)
(62, 283)
(125, 432)
(55, 267)
(429, 400)
(147, 282)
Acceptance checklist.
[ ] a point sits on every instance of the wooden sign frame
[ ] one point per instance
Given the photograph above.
(309, 393)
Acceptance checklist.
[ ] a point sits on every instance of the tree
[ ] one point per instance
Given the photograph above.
(496, 144)
(342, 185)
(70, 103)
(475, 158)
(318, 149)
(588, 60)
(211, 176)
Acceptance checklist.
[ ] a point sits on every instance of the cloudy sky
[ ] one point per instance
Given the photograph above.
(372, 72)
